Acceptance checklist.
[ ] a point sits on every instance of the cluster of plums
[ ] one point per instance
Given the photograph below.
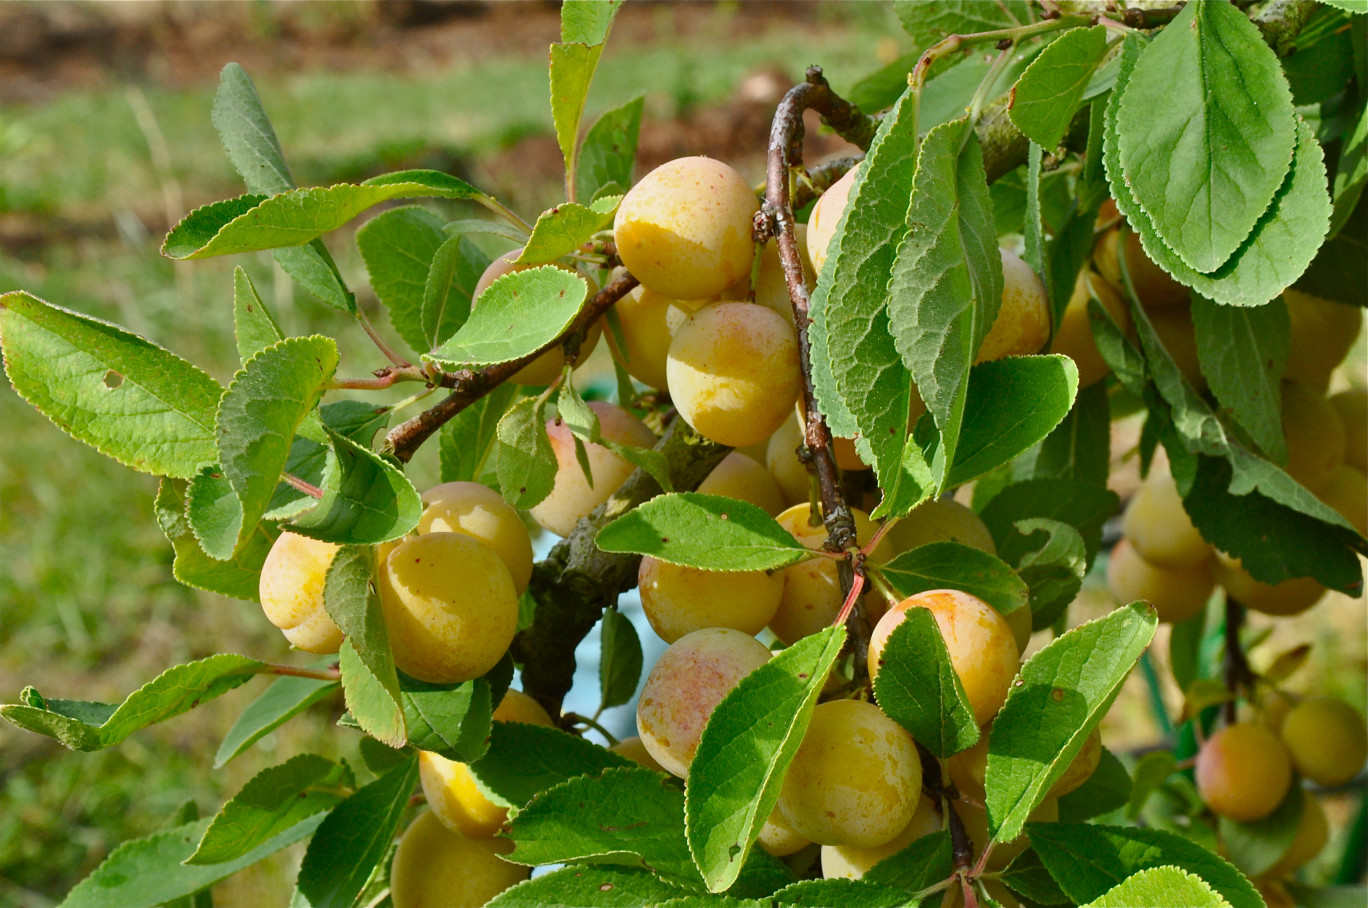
(711, 326)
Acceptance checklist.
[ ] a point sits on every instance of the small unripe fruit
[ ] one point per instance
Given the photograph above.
(733, 372)
(291, 590)
(481, 513)
(1315, 435)
(812, 589)
(546, 368)
(778, 836)
(572, 497)
(1290, 597)
(1022, 325)
(852, 863)
(1155, 287)
(982, 648)
(1158, 526)
(1311, 836)
(1176, 593)
(685, 686)
(1352, 406)
(685, 229)
(450, 788)
(1321, 334)
(450, 607)
(740, 477)
(679, 600)
(1244, 771)
(1075, 339)
(855, 779)
(1327, 738)
(941, 520)
(437, 868)
(826, 214)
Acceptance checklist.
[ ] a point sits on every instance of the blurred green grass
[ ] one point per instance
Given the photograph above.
(88, 607)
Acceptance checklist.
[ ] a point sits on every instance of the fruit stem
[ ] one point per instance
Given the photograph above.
(307, 488)
(1236, 669)
(380, 343)
(585, 720)
(318, 674)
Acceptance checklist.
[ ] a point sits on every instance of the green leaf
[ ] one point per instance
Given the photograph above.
(525, 459)
(1059, 697)
(924, 862)
(286, 698)
(1278, 250)
(648, 459)
(946, 283)
(1053, 569)
(86, 726)
(860, 380)
(745, 750)
(619, 659)
(449, 719)
(1255, 847)
(270, 805)
(587, 21)
(1047, 95)
(1161, 886)
(1242, 352)
(918, 687)
(1152, 770)
(369, 680)
(1107, 789)
(1351, 174)
(561, 230)
(589, 887)
(952, 565)
(354, 838)
(929, 20)
(518, 314)
(298, 216)
(1340, 267)
(1087, 861)
(572, 71)
(608, 152)
(1079, 448)
(247, 134)
(238, 577)
(449, 289)
(1205, 164)
(253, 325)
(846, 893)
(312, 267)
(467, 442)
(366, 498)
(1349, 6)
(1027, 876)
(526, 760)
(1033, 229)
(1083, 507)
(151, 871)
(259, 415)
(710, 532)
(311, 456)
(124, 396)
(1012, 404)
(398, 247)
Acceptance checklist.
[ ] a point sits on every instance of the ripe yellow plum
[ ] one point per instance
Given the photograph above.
(481, 513)
(740, 477)
(976, 824)
(644, 317)
(1155, 287)
(1158, 526)
(685, 229)
(437, 868)
(983, 650)
(1316, 439)
(1310, 838)
(812, 589)
(544, 369)
(450, 607)
(855, 779)
(778, 836)
(852, 863)
(573, 497)
(1022, 325)
(733, 372)
(826, 214)
(679, 600)
(1174, 328)
(685, 686)
(1327, 738)
(1244, 771)
(450, 789)
(941, 520)
(1347, 492)
(1081, 768)
(1321, 334)
(1352, 406)
(1290, 597)
(635, 750)
(1074, 338)
(1176, 593)
(291, 592)
(781, 459)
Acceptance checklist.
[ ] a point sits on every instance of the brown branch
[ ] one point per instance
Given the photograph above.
(1238, 674)
(470, 385)
(577, 581)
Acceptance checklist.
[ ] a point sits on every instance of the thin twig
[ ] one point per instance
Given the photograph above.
(380, 343)
(307, 488)
(1238, 674)
(318, 674)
